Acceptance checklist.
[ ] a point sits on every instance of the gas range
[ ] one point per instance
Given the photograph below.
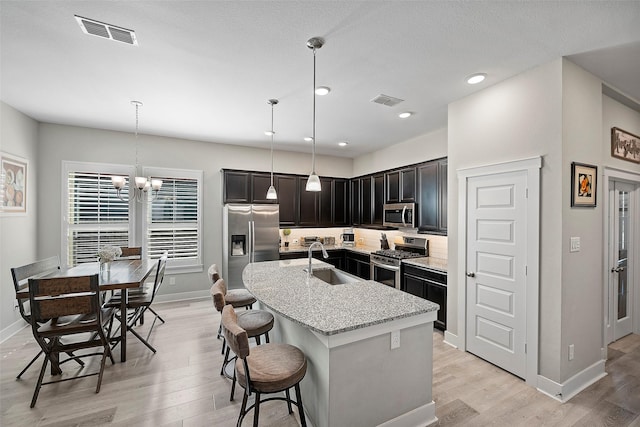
(411, 248)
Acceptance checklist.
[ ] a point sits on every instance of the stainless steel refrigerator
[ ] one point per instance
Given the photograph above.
(251, 234)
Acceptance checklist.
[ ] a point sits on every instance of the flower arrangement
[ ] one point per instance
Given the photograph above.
(108, 253)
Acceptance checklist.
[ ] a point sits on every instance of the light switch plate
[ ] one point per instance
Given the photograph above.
(575, 244)
(395, 339)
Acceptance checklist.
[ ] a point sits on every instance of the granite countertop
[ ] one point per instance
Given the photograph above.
(327, 309)
(304, 249)
(437, 264)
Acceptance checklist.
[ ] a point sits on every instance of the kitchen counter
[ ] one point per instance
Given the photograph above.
(437, 264)
(304, 249)
(327, 309)
(369, 347)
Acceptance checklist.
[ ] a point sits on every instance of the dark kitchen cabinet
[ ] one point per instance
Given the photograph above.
(378, 199)
(355, 203)
(400, 186)
(237, 187)
(308, 212)
(259, 186)
(357, 264)
(287, 188)
(340, 202)
(430, 285)
(325, 207)
(366, 200)
(336, 257)
(432, 208)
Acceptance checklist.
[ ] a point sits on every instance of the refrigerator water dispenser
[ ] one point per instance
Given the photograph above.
(238, 245)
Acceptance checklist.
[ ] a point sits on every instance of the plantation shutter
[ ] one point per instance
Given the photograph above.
(96, 217)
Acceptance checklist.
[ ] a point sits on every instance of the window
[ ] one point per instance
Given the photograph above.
(94, 215)
(172, 221)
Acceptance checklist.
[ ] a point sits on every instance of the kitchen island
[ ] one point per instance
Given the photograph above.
(347, 331)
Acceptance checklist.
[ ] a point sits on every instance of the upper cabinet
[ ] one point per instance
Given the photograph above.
(432, 208)
(237, 187)
(400, 186)
(287, 188)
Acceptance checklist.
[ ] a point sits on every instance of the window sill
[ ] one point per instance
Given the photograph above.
(184, 269)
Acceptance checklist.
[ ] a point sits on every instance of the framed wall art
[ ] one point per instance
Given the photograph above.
(583, 185)
(625, 145)
(13, 184)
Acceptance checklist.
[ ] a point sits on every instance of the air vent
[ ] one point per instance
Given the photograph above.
(107, 31)
(387, 100)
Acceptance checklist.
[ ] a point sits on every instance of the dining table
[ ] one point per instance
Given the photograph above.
(120, 275)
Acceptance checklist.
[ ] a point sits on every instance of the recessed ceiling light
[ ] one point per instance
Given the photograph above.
(308, 138)
(322, 90)
(405, 114)
(269, 132)
(343, 143)
(476, 78)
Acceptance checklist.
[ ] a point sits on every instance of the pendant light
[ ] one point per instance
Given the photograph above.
(271, 192)
(313, 183)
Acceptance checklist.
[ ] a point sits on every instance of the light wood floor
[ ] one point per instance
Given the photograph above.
(181, 386)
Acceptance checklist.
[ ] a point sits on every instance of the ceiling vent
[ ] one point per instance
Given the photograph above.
(387, 100)
(107, 31)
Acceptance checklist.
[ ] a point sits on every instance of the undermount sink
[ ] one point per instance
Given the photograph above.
(333, 276)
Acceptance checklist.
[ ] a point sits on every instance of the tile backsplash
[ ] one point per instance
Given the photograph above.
(370, 239)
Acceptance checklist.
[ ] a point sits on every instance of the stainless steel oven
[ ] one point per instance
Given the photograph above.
(385, 264)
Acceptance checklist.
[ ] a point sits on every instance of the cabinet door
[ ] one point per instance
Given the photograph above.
(340, 205)
(393, 187)
(356, 207)
(443, 198)
(414, 285)
(259, 185)
(286, 186)
(378, 199)
(364, 270)
(428, 207)
(326, 202)
(366, 200)
(407, 185)
(438, 294)
(237, 187)
(308, 204)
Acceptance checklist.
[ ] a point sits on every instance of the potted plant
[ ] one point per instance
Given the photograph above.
(286, 233)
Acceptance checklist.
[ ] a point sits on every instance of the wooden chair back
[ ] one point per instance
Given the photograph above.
(218, 290)
(131, 253)
(22, 274)
(63, 296)
(214, 275)
(236, 337)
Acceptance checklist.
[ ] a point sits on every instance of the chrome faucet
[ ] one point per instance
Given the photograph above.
(324, 254)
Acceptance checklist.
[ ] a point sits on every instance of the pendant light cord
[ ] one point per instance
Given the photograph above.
(313, 155)
(272, 143)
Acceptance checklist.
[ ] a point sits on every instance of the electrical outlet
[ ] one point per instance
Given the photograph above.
(295, 241)
(571, 352)
(172, 280)
(575, 244)
(395, 339)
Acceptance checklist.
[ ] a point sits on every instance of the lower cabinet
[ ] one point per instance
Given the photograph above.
(357, 264)
(427, 284)
(336, 258)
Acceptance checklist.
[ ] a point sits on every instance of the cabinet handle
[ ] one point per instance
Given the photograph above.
(471, 274)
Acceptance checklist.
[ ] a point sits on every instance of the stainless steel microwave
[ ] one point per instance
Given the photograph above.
(399, 215)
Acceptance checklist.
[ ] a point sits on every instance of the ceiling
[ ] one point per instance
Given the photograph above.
(205, 69)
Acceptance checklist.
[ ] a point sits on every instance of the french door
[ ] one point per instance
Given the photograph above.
(622, 213)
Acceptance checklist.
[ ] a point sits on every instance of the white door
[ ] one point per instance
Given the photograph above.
(496, 269)
(622, 250)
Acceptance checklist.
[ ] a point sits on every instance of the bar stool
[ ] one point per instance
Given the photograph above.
(265, 369)
(236, 297)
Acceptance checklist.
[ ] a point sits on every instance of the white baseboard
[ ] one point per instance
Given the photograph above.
(12, 329)
(422, 416)
(181, 296)
(574, 385)
(451, 339)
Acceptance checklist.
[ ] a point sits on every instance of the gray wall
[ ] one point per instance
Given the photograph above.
(18, 233)
(554, 111)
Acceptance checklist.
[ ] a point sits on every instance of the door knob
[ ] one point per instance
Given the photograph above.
(617, 270)
(471, 274)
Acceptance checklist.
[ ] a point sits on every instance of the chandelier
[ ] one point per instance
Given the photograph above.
(143, 184)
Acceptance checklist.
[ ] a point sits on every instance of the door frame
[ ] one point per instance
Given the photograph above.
(612, 174)
(532, 167)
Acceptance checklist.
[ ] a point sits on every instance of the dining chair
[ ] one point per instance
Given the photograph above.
(256, 322)
(21, 276)
(75, 298)
(138, 303)
(130, 253)
(265, 369)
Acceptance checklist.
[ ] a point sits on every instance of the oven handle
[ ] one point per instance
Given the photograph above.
(388, 267)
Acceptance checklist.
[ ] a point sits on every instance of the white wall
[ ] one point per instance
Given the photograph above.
(426, 147)
(614, 114)
(516, 119)
(58, 143)
(18, 234)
